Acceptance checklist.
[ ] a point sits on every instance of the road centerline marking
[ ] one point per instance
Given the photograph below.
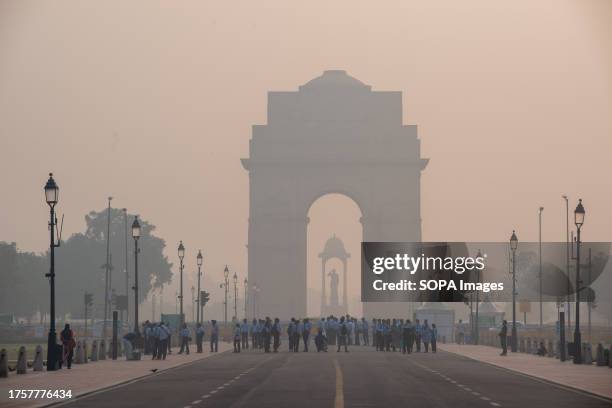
(339, 400)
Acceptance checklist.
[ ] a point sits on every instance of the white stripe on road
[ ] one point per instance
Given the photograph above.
(196, 402)
(339, 400)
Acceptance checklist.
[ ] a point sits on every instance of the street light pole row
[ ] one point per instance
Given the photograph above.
(579, 214)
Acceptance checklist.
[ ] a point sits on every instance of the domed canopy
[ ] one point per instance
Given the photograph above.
(334, 248)
(334, 79)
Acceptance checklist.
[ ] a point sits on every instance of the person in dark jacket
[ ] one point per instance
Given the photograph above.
(67, 339)
(503, 338)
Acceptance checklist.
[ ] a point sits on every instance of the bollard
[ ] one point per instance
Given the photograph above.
(94, 351)
(3, 364)
(102, 350)
(600, 355)
(37, 364)
(78, 354)
(22, 362)
(84, 351)
(587, 357)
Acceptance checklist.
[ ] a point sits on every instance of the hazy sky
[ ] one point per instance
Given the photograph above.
(152, 102)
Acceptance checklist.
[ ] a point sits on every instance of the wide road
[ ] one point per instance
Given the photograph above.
(360, 378)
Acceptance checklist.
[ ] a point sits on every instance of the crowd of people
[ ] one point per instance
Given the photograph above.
(383, 334)
(265, 334)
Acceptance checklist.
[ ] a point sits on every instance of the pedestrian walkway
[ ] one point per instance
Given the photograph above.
(592, 379)
(87, 378)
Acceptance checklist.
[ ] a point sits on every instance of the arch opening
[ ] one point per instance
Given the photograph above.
(333, 256)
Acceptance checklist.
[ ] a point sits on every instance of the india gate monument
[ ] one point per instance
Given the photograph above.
(333, 135)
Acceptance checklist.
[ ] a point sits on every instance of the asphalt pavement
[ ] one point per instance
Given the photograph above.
(360, 378)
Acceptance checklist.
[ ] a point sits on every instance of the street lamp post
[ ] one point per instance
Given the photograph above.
(127, 274)
(477, 334)
(107, 266)
(52, 196)
(246, 289)
(136, 236)
(540, 264)
(579, 221)
(226, 286)
(200, 260)
(181, 255)
(235, 296)
(192, 303)
(567, 262)
(513, 246)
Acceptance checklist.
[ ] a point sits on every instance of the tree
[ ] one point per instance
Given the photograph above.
(80, 268)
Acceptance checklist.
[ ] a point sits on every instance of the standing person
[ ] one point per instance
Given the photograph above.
(290, 331)
(460, 332)
(503, 338)
(244, 330)
(426, 335)
(276, 332)
(299, 329)
(320, 341)
(332, 329)
(306, 333)
(357, 325)
(199, 337)
(365, 329)
(67, 339)
(185, 335)
(164, 336)
(267, 334)
(237, 338)
(146, 332)
(253, 333)
(405, 336)
(154, 334)
(342, 335)
(214, 336)
(350, 327)
(434, 337)
(388, 334)
(379, 336)
(418, 330)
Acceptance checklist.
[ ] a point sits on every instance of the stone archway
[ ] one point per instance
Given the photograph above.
(334, 135)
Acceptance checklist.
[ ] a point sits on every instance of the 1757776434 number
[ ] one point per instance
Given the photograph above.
(40, 394)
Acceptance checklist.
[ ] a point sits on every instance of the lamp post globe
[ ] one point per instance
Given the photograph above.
(513, 247)
(51, 191)
(579, 214)
(52, 197)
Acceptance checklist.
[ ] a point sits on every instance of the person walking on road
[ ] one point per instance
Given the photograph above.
(503, 338)
(69, 343)
(214, 336)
